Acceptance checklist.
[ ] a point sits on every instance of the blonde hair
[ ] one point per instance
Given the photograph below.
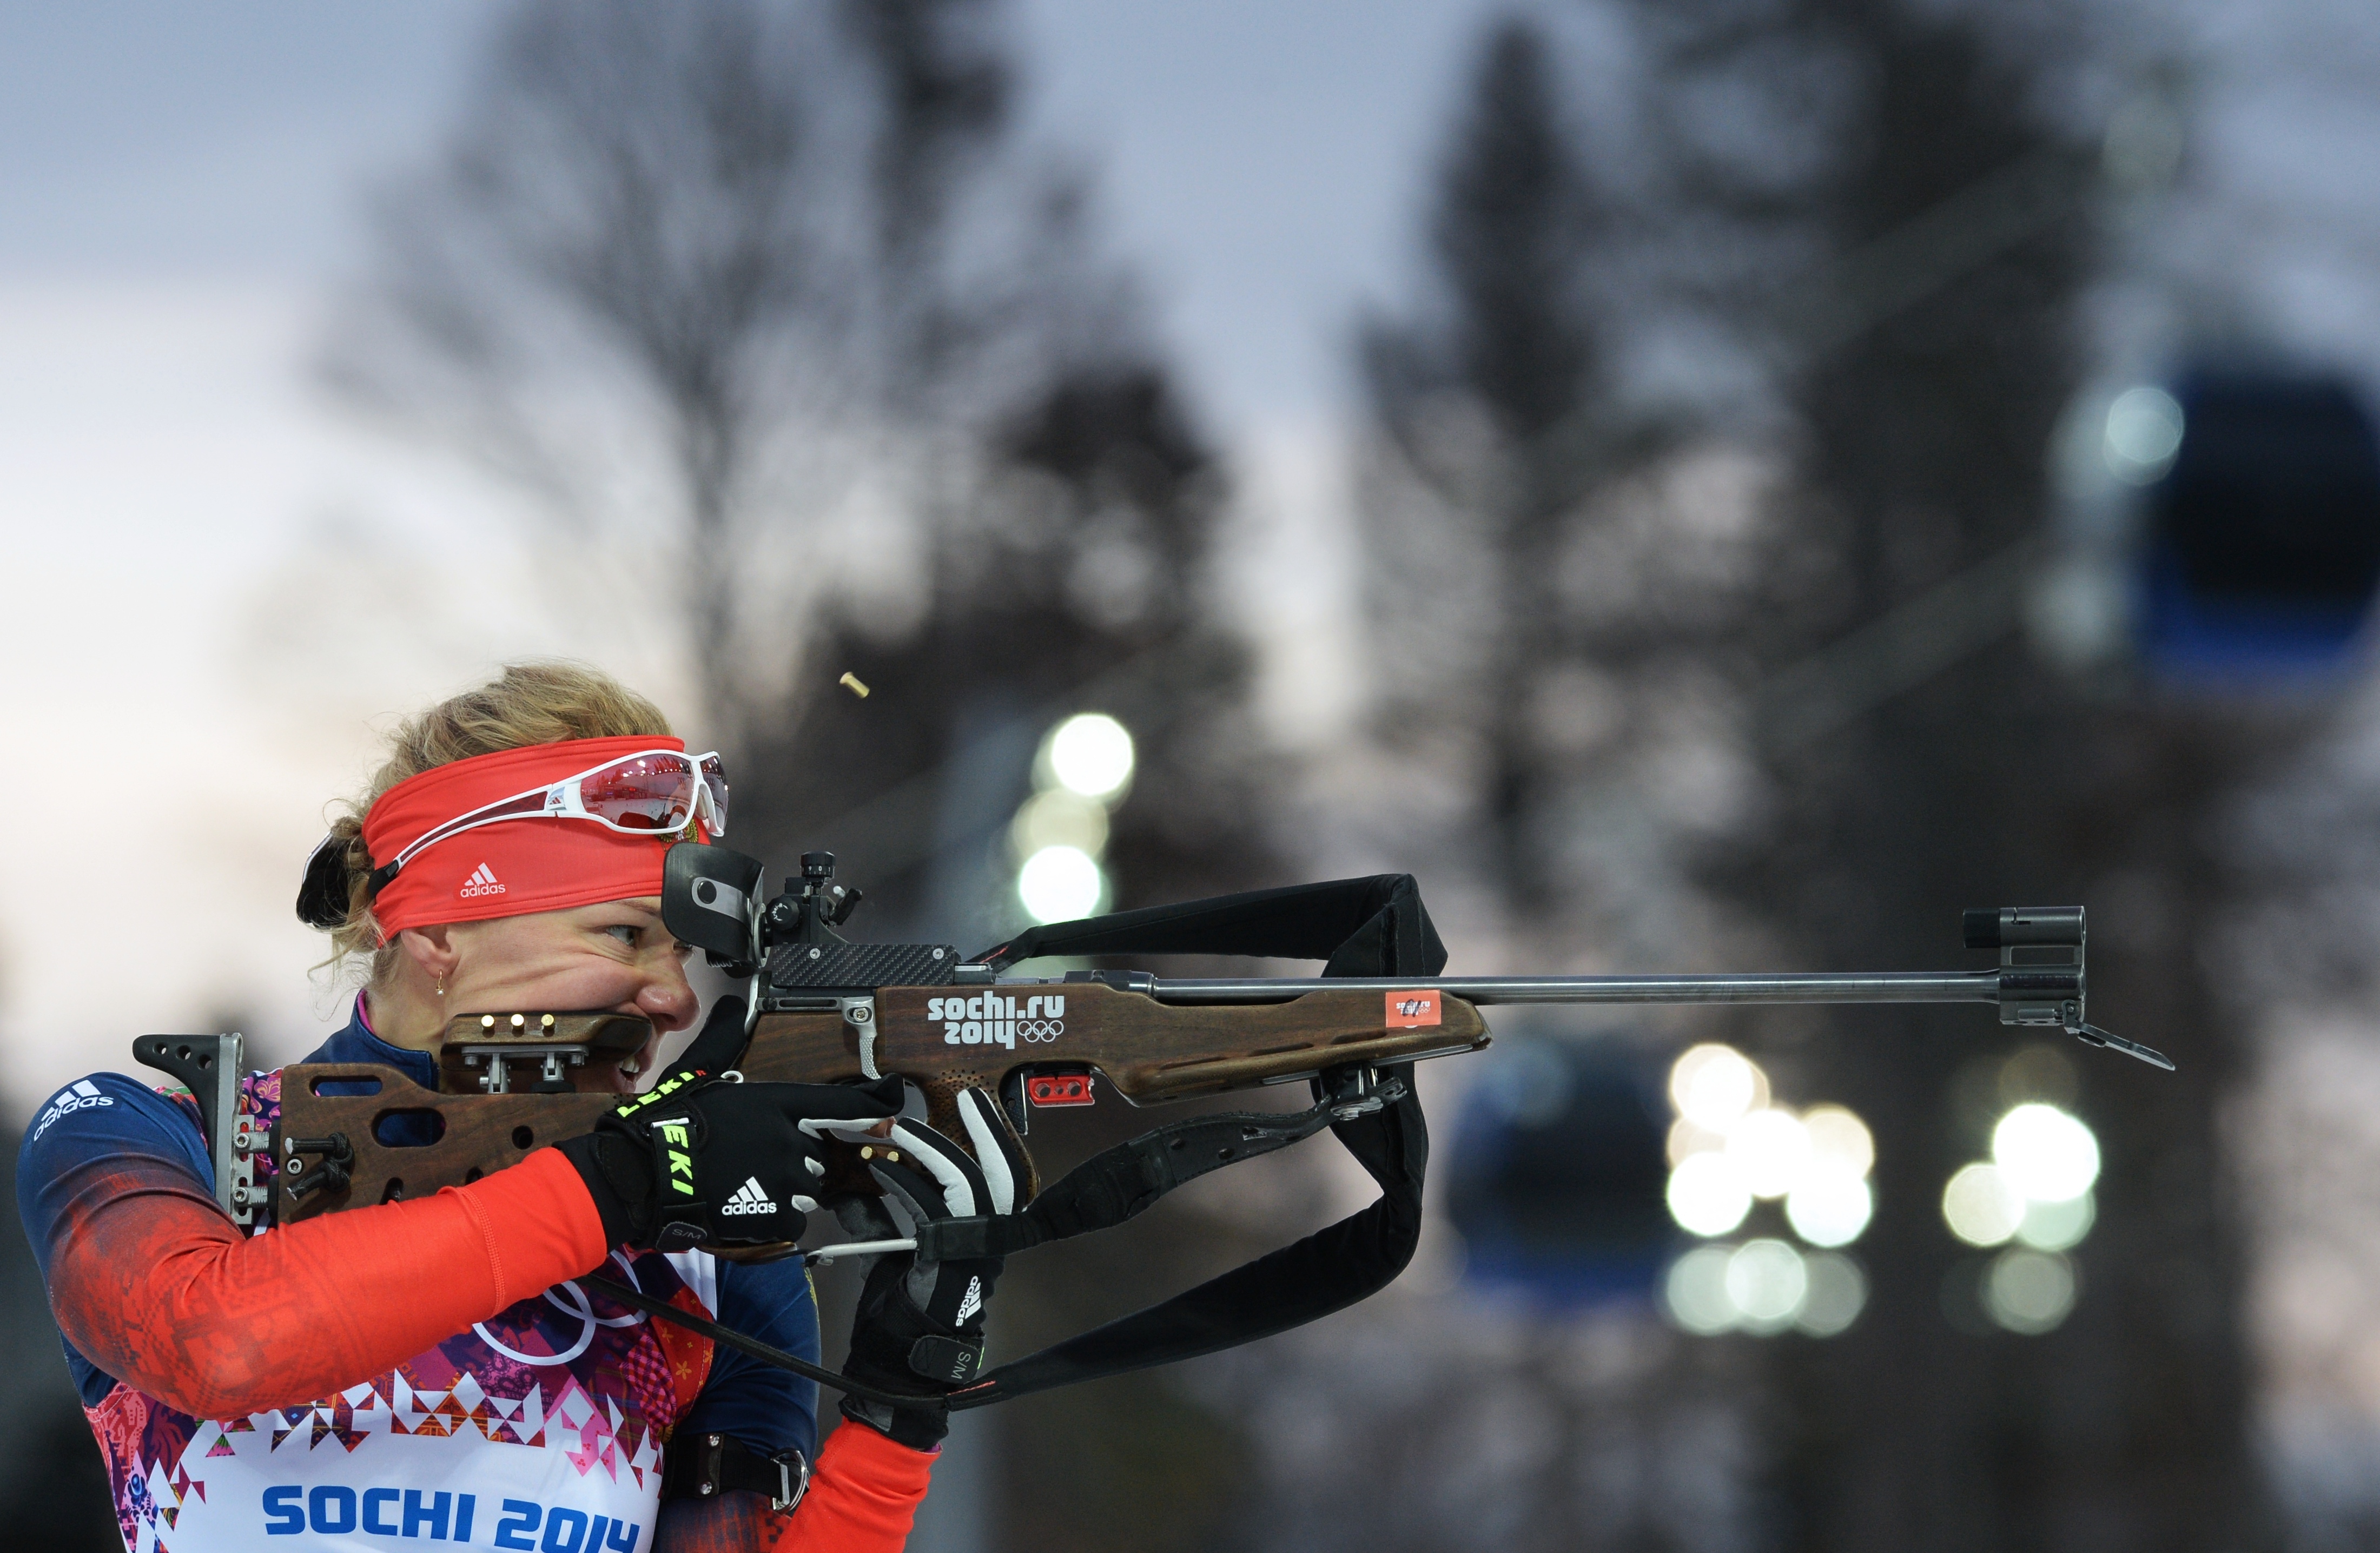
(527, 704)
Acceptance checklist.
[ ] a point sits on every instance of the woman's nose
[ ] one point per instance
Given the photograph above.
(667, 1000)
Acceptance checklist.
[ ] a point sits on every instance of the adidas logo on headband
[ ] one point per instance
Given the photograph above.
(482, 882)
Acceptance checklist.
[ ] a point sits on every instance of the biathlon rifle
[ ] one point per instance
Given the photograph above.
(826, 1010)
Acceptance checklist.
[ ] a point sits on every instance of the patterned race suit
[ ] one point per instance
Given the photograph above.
(539, 1426)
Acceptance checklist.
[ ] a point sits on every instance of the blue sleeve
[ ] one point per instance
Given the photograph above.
(768, 1409)
(96, 1141)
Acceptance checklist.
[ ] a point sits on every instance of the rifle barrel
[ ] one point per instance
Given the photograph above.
(1791, 987)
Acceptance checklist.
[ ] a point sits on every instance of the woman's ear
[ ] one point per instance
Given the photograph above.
(431, 950)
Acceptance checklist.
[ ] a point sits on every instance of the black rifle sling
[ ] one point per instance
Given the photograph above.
(1364, 927)
(1373, 926)
(1327, 1271)
(1117, 1183)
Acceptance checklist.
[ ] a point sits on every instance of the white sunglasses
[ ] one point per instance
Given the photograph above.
(651, 792)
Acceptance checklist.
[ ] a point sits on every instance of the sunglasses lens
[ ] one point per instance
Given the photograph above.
(650, 793)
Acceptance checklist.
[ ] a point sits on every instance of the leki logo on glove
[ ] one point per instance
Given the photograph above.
(674, 1146)
(750, 1198)
(482, 882)
(667, 1086)
(990, 1019)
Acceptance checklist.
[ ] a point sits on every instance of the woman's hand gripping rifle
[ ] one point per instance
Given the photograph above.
(704, 1159)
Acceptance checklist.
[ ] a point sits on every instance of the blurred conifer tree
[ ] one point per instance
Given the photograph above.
(1867, 226)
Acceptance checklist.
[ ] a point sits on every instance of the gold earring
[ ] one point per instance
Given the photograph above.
(441, 984)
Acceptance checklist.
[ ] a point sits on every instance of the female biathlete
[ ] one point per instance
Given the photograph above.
(430, 1371)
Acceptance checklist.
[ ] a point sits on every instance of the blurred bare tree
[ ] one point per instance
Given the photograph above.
(772, 300)
(735, 289)
(1075, 580)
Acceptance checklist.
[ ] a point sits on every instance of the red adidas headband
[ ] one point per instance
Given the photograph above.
(515, 866)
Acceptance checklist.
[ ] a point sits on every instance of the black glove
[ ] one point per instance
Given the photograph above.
(703, 1161)
(919, 1327)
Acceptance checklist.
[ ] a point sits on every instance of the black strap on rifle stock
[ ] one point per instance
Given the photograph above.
(1373, 926)
(1362, 926)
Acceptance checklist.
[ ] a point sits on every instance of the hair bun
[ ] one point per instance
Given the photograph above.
(322, 893)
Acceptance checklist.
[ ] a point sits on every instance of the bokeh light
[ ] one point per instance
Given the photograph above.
(1707, 1195)
(1713, 1086)
(1770, 1150)
(1838, 1293)
(1060, 883)
(2057, 1225)
(1730, 1148)
(1688, 1137)
(1091, 754)
(2143, 434)
(1981, 1206)
(1767, 1282)
(1829, 1207)
(1839, 1140)
(1059, 817)
(2045, 1154)
(2029, 1292)
(1696, 1291)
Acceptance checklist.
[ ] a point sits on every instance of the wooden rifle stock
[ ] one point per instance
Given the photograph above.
(1147, 1050)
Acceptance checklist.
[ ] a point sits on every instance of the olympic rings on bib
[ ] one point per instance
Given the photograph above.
(579, 1306)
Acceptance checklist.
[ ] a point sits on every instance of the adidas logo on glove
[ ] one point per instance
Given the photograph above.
(748, 1198)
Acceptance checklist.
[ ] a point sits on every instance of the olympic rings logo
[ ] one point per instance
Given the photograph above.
(997, 1031)
(579, 1306)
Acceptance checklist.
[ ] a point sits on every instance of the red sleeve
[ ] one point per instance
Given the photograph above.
(157, 1288)
(864, 1493)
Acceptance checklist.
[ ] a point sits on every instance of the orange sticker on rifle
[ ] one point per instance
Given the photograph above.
(1410, 1011)
(1061, 1089)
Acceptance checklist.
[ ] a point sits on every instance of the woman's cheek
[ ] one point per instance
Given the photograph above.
(583, 983)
